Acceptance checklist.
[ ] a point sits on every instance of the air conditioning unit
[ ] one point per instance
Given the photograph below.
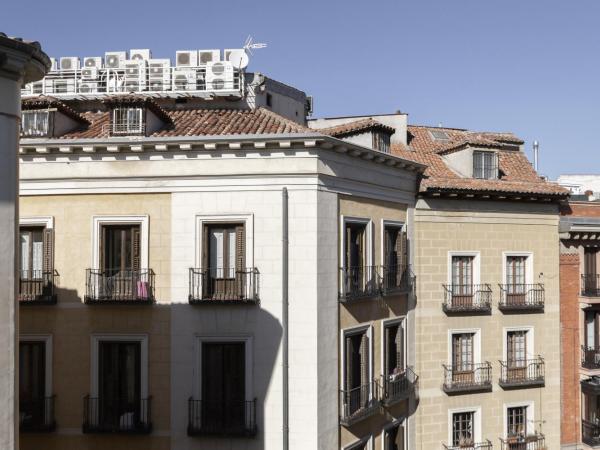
(184, 79)
(88, 87)
(159, 74)
(135, 75)
(114, 60)
(140, 54)
(92, 61)
(237, 57)
(63, 86)
(208, 56)
(186, 58)
(69, 63)
(219, 76)
(89, 73)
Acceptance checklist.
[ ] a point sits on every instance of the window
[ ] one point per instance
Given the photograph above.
(35, 123)
(356, 371)
(463, 428)
(395, 250)
(485, 165)
(516, 355)
(463, 348)
(36, 271)
(269, 100)
(590, 259)
(516, 421)
(394, 437)
(393, 349)
(381, 142)
(439, 135)
(462, 280)
(591, 407)
(120, 248)
(592, 329)
(32, 383)
(31, 252)
(127, 120)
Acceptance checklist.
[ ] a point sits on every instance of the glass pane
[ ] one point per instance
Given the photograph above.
(38, 253)
(25, 240)
(231, 254)
(216, 253)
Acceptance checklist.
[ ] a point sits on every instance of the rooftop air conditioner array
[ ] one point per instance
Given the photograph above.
(69, 63)
(219, 76)
(114, 60)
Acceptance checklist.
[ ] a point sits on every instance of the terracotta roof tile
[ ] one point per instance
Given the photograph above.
(45, 102)
(355, 127)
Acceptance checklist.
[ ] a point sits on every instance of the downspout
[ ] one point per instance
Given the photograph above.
(284, 315)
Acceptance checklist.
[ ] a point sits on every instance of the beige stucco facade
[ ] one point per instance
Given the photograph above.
(489, 230)
(71, 323)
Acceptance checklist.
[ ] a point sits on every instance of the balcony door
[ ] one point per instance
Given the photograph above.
(32, 382)
(223, 261)
(120, 261)
(462, 358)
(356, 276)
(395, 256)
(516, 355)
(462, 281)
(356, 372)
(394, 350)
(224, 386)
(590, 271)
(516, 425)
(119, 378)
(516, 291)
(35, 261)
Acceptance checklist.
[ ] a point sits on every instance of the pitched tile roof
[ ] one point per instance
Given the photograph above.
(200, 122)
(517, 175)
(141, 101)
(45, 102)
(355, 127)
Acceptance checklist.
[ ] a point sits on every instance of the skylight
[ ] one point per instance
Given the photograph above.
(439, 135)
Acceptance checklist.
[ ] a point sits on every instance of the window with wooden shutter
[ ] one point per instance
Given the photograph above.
(356, 371)
(224, 261)
(462, 280)
(394, 349)
(33, 252)
(516, 419)
(516, 348)
(120, 248)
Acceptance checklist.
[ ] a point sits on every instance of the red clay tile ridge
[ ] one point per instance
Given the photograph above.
(355, 127)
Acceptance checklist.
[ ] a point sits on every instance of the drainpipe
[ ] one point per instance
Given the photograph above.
(284, 315)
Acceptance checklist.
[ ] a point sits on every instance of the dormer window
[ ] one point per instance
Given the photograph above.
(381, 142)
(128, 120)
(36, 123)
(485, 165)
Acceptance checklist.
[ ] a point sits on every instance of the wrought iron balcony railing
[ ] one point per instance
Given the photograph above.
(467, 378)
(232, 419)
(359, 282)
(522, 373)
(37, 415)
(116, 415)
(358, 403)
(590, 285)
(119, 286)
(590, 357)
(524, 442)
(522, 297)
(485, 445)
(224, 285)
(467, 298)
(398, 386)
(37, 286)
(397, 279)
(590, 432)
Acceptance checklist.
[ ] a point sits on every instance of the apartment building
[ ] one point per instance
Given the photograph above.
(580, 346)
(487, 293)
(152, 255)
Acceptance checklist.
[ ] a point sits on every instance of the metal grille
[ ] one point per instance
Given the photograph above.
(485, 165)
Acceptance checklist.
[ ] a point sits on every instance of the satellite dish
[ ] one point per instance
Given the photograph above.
(238, 58)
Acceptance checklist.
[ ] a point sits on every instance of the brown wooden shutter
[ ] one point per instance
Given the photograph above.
(399, 341)
(48, 262)
(135, 244)
(387, 360)
(102, 248)
(364, 364)
(205, 247)
(348, 381)
(402, 249)
(240, 248)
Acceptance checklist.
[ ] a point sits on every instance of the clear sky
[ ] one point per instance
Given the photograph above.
(527, 66)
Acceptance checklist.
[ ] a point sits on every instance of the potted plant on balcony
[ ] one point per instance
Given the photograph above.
(465, 442)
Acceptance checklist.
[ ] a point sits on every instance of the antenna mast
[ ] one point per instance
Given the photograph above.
(250, 45)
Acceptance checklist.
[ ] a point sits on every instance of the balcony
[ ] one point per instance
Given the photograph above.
(467, 299)
(467, 378)
(530, 442)
(590, 357)
(37, 416)
(219, 285)
(358, 403)
(236, 419)
(398, 387)
(114, 415)
(119, 286)
(521, 297)
(36, 287)
(522, 373)
(590, 433)
(359, 282)
(397, 279)
(485, 445)
(590, 285)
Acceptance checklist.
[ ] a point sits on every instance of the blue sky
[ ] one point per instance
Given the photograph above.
(527, 66)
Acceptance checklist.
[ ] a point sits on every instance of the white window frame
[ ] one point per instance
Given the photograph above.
(369, 257)
(249, 365)
(390, 223)
(476, 422)
(365, 440)
(387, 322)
(529, 340)
(208, 219)
(496, 161)
(99, 221)
(368, 328)
(476, 264)
(391, 425)
(530, 405)
(124, 127)
(46, 221)
(95, 363)
(528, 265)
(476, 343)
(47, 340)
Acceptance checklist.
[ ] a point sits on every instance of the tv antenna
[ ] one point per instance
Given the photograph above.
(250, 45)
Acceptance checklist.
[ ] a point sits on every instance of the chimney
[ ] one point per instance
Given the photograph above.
(536, 151)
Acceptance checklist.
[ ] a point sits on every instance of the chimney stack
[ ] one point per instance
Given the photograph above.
(536, 150)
